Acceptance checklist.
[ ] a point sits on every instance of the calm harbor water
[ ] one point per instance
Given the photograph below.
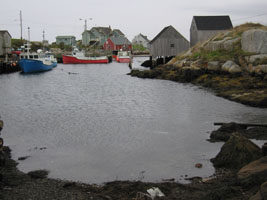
(94, 123)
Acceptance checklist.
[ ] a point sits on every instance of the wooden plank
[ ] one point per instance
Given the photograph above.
(242, 124)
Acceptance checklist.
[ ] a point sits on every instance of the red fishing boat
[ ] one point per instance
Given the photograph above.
(78, 57)
(123, 57)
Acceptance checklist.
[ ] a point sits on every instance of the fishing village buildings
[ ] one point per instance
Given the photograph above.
(168, 43)
(98, 36)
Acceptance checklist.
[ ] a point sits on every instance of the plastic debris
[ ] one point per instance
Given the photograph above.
(155, 192)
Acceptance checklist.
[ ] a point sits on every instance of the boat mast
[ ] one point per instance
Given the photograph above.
(28, 44)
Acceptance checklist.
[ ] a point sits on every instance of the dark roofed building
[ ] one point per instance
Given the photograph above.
(117, 33)
(117, 43)
(169, 42)
(204, 27)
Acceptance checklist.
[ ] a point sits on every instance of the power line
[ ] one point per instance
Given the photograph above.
(250, 17)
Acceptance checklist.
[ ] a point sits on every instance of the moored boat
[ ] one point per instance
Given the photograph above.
(50, 56)
(36, 62)
(78, 57)
(123, 57)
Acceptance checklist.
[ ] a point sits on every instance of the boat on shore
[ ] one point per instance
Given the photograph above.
(123, 57)
(78, 57)
(36, 62)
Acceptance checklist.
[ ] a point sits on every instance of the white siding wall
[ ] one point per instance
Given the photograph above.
(140, 40)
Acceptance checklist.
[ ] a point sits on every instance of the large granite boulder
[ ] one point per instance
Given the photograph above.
(255, 58)
(254, 41)
(226, 66)
(214, 66)
(232, 67)
(235, 69)
(255, 173)
(229, 45)
(236, 152)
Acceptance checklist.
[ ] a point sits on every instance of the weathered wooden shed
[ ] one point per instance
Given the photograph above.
(204, 27)
(169, 42)
(5, 43)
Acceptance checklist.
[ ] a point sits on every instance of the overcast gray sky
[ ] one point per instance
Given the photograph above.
(149, 17)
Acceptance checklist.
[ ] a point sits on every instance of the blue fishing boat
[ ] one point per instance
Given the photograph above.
(36, 62)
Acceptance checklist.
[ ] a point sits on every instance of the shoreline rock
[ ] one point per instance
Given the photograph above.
(248, 90)
(226, 131)
(236, 152)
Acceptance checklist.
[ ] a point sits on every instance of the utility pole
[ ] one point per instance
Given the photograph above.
(43, 35)
(29, 34)
(20, 17)
(85, 25)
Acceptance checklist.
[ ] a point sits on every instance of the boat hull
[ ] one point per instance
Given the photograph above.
(32, 66)
(92, 60)
(54, 64)
(123, 60)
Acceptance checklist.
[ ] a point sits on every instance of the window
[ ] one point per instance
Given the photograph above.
(172, 45)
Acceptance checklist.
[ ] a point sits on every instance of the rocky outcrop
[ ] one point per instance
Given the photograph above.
(254, 41)
(222, 65)
(236, 152)
(254, 173)
(225, 132)
(227, 44)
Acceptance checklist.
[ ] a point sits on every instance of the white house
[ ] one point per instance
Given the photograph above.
(140, 40)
